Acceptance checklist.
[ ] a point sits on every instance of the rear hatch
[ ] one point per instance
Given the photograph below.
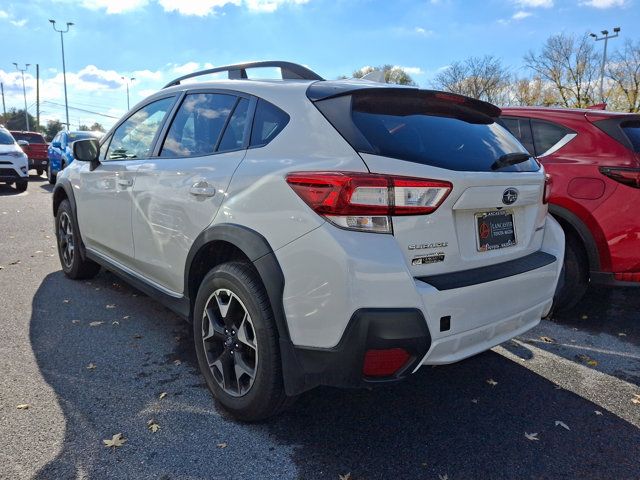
(37, 148)
(494, 211)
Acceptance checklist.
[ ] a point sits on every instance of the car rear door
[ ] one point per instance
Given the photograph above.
(104, 195)
(180, 189)
(494, 212)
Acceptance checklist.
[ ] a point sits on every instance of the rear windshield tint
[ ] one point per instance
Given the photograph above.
(433, 129)
(632, 131)
(6, 138)
(29, 137)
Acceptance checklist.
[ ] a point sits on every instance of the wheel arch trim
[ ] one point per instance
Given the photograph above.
(591, 248)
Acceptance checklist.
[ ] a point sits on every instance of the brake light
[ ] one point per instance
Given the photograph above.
(384, 363)
(366, 202)
(627, 176)
(548, 181)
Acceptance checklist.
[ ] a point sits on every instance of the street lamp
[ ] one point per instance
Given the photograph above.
(127, 81)
(64, 70)
(24, 92)
(606, 38)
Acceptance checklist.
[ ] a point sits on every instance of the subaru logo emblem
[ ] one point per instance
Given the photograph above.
(510, 196)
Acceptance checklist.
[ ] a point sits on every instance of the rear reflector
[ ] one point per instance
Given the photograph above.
(628, 277)
(625, 175)
(384, 363)
(366, 202)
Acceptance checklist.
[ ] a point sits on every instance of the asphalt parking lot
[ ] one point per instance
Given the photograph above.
(92, 359)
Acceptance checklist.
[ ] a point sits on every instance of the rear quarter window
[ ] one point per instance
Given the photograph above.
(268, 122)
(546, 135)
(632, 131)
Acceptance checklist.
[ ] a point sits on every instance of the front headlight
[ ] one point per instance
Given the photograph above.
(16, 154)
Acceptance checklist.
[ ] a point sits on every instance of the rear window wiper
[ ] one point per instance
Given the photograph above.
(509, 159)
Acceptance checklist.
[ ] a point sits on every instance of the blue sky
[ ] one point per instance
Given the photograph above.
(157, 40)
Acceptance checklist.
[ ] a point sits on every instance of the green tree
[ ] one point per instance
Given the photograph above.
(83, 128)
(52, 128)
(392, 74)
(14, 120)
(96, 127)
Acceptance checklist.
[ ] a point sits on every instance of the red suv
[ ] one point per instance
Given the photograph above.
(593, 158)
(35, 146)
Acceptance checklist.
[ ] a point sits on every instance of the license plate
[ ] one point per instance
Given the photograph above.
(496, 230)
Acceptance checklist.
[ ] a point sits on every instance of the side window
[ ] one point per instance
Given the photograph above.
(546, 135)
(104, 146)
(268, 122)
(521, 129)
(197, 125)
(134, 138)
(234, 134)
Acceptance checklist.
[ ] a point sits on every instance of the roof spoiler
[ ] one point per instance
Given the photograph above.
(238, 71)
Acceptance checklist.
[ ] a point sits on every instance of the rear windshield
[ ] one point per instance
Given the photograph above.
(29, 137)
(632, 131)
(433, 129)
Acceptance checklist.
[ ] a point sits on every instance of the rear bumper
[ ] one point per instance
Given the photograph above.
(38, 162)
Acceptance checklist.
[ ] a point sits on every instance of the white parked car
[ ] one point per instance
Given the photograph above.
(14, 164)
(315, 232)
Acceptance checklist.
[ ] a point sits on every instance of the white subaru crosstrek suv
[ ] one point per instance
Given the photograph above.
(315, 232)
(14, 164)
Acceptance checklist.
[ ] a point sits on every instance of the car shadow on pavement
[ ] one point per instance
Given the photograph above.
(452, 421)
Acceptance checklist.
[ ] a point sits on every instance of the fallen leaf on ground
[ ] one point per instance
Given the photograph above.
(547, 339)
(153, 426)
(23, 406)
(492, 382)
(531, 436)
(597, 412)
(125, 317)
(15, 263)
(177, 362)
(443, 477)
(111, 305)
(346, 476)
(95, 324)
(584, 317)
(115, 322)
(622, 334)
(75, 321)
(221, 445)
(557, 387)
(587, 360)
(116, 441)
(474, 400)
(66, 300)
(137, 336)
(636, 399)
(91, 366)
(162, 395)
(1, 267)
(562, 424)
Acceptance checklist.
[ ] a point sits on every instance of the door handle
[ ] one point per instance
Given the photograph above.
(202, 189)
(125, 182)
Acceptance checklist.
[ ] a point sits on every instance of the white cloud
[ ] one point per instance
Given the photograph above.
(423, 31)
(535, 3)
(203, 8)
(19, 23)
(3, 14)
(411, 70)
(186, 68)
(604, 3)
(113, 6)
(521, 15)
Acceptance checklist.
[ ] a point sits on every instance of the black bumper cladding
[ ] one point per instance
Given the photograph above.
(475, 276)
(368, 329)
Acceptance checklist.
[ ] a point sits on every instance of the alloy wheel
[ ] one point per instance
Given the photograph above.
(230, 343)
(65, 239)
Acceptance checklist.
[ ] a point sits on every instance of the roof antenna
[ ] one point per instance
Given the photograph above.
(374, 76)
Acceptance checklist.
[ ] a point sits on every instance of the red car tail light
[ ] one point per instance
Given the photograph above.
(384, 363)
(548, 181)
(626, 175)
(366, 202)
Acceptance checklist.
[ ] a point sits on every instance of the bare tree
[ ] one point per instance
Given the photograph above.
(392, 74)
(532, 91)
(624, 72)
(485, 78)
(571, 65)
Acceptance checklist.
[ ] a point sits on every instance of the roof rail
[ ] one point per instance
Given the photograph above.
(290, 71)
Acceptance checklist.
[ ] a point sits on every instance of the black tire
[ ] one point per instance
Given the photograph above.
(265, 396)
(22, 185)
(576, 274)
(50, 176)
(73, 265)
(39, 171)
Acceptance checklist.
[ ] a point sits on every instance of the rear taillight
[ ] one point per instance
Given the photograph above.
(366, 202)
(625, 175)
(547, 188)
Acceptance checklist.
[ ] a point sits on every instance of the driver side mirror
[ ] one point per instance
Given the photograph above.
(55, 144)
(87, 151)
(23, 143)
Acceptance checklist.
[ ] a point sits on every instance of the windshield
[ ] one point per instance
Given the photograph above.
(29, 137)
(6, 138)
(72, 137)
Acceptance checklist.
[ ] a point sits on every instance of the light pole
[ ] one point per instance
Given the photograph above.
(24, 92)
(127, 81)
(606, 38)
(64, 69)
